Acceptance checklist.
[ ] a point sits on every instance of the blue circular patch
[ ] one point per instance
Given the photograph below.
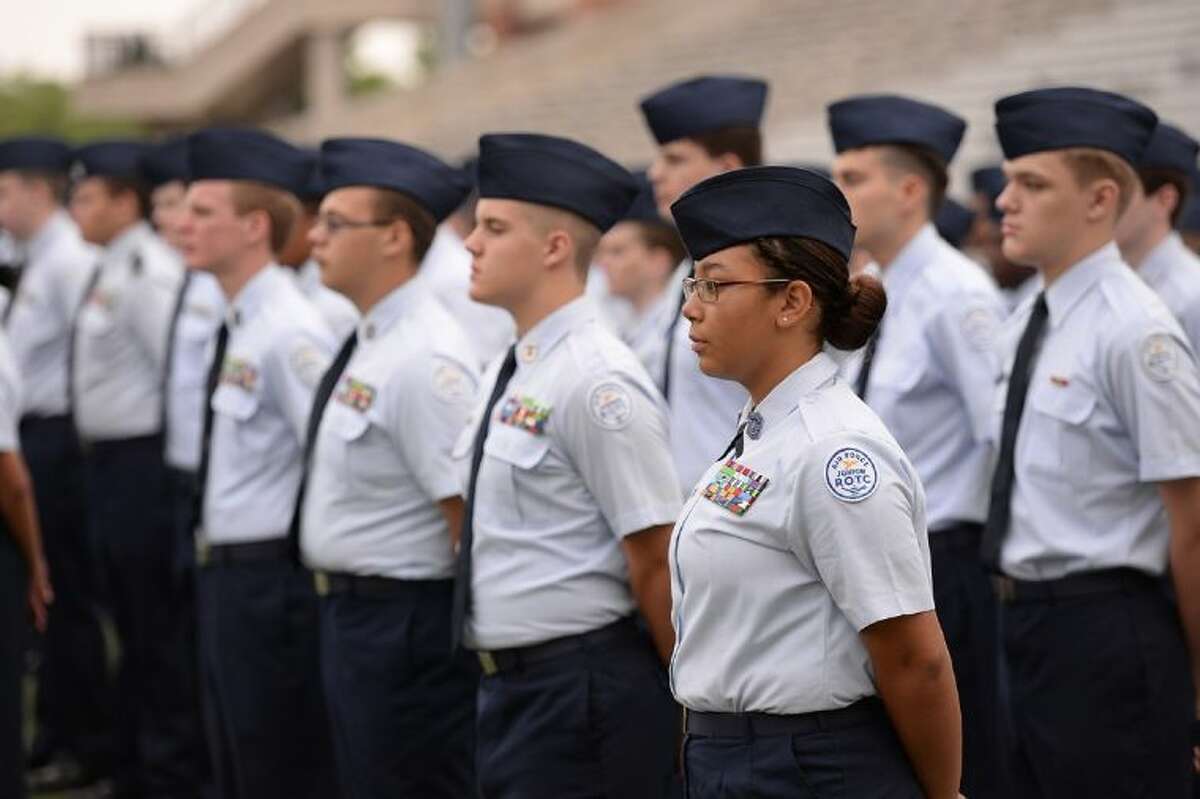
(850, 475)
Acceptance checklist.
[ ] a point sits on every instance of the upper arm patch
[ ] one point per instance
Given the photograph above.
(979, 325)
(450, 383)
(850, 475)
(610, 405)
(308, 363)
(1160, 357)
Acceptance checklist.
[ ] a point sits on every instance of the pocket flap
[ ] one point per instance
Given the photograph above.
(521, 449)
(235, 402)
(1072, 403)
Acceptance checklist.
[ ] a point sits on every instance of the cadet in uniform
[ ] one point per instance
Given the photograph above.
(800, 566)
(640, 256)
(1147, 233)
(703, 126)
(24, 580)
(1095, 489)
(954, 222)
(570, 494)
(74, 695)
(930, 373)
(119, 353)
(382, 495)
(269, 732)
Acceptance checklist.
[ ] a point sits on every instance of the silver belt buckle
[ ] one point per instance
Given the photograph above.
(321, 583)
(487, 662)
(1004, 587)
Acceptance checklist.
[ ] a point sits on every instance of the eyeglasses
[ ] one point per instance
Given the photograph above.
(333, 223)
(708, 290)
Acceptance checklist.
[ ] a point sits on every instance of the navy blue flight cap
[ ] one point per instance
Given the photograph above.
(114, 158)
(1055, 119)
(877, 119)
(1170, 148)
(438, 187)
(644, 208)
(35, 152)
(760, 202)
(166, 162)
(245, 154)
(548, 170)
(953, 222)
(704, 104)
(989, 180)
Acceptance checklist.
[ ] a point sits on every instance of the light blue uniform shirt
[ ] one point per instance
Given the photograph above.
(1173, 271)
(200, 316)
(1113, 408)
(381, 461)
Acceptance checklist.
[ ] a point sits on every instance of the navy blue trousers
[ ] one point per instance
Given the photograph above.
(130, 510)
(75, 692)
(967, 611)
(14, 634)
(1102, 699)
(859, 760)
(268, 731)
(403, 710)
(597, 723)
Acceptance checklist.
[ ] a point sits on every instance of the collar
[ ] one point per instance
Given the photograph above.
(1079, 278)
(384, 314)
(254, 295)
(129, 240)
(537, 343)
(909, 262)
(1160, 260)
(56, 225)
(782, 399)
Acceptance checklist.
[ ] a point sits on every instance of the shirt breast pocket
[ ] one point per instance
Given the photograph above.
(242, 408)
(1061, 447)
(364, 452)
(507, 489)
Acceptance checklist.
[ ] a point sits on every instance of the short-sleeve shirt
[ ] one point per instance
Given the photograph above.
(201, 311)
(1173, 271)
(934, 373)
(278, 349)
(576, 458)
(58, 263)
(10, 398)
(381, 461)
(786, 552)
(1113, 408)
(121, 337)
(339, 313)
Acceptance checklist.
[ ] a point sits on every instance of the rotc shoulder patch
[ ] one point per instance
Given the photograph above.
(525, 413)
(850, 475)
(240, 373)
(355, 393)
(450, 383)
(611, 406)
(735, 487)
(1160, 357)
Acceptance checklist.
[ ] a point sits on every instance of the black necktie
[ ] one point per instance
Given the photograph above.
(868, 360)
(666, 384)
(1000, 508)
(11, 279)
(462, 571)
(735, 446)
(214, 379)
(169, 361)
(72, 343)
(321, 397)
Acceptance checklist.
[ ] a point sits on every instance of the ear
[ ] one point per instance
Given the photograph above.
(1103, 200)
(258, 226)
(398, 240)
(559, 249)
(1166, 199)
(797, 305)
(729, 162)
(913, 191)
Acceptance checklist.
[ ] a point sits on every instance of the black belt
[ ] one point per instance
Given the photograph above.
(371, 586)
(753, 725)
(108, 446)
(963, 535)
(36, 421)
(495, 661)
(274, 549)
(1108, 581)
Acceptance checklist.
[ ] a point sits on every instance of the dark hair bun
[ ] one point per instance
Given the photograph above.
(861, 315)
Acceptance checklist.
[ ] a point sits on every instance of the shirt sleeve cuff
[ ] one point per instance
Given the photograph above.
(888, 606)
(1162, 471)
(638, 519)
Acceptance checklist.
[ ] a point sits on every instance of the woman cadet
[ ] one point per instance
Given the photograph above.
(808, 655)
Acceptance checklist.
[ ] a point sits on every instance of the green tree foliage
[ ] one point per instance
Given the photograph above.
(33, 105)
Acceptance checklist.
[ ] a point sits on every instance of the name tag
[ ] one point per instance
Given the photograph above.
(526, 414)
(735, 487)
